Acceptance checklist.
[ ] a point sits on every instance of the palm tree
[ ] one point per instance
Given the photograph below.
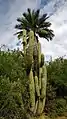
(31, 20)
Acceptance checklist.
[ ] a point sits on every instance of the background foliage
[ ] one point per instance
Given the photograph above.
(56, 101)
(14, 95)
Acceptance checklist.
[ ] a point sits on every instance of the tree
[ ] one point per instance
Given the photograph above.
(31, 20)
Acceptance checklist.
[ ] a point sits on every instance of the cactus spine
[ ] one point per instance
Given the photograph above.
(37, 74)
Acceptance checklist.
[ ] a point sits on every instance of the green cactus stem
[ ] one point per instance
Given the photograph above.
(39, 109)
(44, 82)
(42, 60)
(40, 73)
(35, 53)
(35, 57)
(29, 50)
(24, 41)
(37, 86)
(32, 90)
(39, 53)
(43, 104)
(36, 105)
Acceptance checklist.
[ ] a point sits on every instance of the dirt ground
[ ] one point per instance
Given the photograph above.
(62, 118)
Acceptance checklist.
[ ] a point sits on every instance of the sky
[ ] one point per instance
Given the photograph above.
(57, 9)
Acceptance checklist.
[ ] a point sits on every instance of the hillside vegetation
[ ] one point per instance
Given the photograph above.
(14, 94)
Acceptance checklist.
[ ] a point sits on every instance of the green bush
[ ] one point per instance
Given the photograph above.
(12, 65)
(14, 94)
(11, 99)
(56, 100)
(60, 106)
(13, 86)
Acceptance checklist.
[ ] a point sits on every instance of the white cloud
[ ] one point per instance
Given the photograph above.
(17, 7)
(58, 9)
(57, 47)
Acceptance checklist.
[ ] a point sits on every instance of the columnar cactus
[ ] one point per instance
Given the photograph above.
(40, 75)
(32, 90)
(29, 51)
(37, 74)
(24, 41)
(37, 86)
(39, 53)
(44, 77)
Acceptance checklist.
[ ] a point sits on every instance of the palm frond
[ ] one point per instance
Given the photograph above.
(29, 14)
(18, 26)
(44, 25)
(26, 17)
(29, 18)
(43, 19)
(19, 20)
(31, 21)
(19, 34)
(29, 10)
(36, 17)
(37, 13)
(46, 33)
